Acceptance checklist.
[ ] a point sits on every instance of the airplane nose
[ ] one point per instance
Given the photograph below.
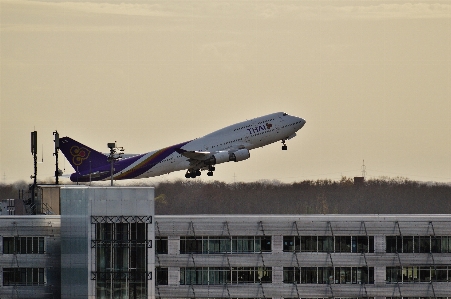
(302, 122)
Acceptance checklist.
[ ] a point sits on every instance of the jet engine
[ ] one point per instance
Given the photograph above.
(217, 158)
(240, 155)
(222, 157)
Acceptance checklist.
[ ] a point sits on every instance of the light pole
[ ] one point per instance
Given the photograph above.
(114, 156)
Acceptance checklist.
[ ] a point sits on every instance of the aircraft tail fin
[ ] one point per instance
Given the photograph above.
(81, 157)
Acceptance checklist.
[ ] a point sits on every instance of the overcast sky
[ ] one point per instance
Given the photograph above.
(371, 78)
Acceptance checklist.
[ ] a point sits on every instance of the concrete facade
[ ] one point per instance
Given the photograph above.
(280, 259)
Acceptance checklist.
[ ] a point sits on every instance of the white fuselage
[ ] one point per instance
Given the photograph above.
(248, 135)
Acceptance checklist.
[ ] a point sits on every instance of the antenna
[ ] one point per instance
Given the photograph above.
(34, 152)
(58, 171)
(42, 153)
(363, 169)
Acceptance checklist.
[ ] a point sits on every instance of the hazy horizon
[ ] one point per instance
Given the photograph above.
(371, 78)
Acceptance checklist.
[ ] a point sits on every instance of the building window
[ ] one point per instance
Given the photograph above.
(309, 243)
(23, 276)
(291, 243)
(161, 245)
(328, 275)
(190, 245)
(121, 246)
(413, 274)
(251, 244)
(418, 244)
(251, 275)
(23, 245)
(325, 244)
(362, 244)
(309, 275)
(220, 275)
(162, 276)
(343, 244)
(291, 275)
(393, 275)
(234, 244)
(425, 244)
(356, 244)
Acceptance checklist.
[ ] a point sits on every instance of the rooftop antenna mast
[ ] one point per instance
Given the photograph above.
(58, 171)
(34, 152)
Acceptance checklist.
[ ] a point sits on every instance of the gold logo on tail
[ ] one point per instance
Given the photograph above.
(79, 154)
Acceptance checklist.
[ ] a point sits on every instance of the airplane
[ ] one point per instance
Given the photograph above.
(232, 143)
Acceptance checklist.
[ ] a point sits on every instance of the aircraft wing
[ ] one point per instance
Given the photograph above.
(195, 155)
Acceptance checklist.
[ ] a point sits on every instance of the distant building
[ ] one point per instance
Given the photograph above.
(359, 180)
(107, 243)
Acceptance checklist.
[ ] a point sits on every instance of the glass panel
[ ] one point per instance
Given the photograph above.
(41, 245)
(161, 245)
(8, 245)
(325, 244)
(309, 243)
(121, 260)
(288, 274)
(225, 244)
(288, 244)
(371, 244)
(266, 244)
(264, 275)
(410, 274)
(441, 274)
(41, 276)
(23, 245)
(393, 275)
(362, 244)
(445, 241)
(393, 244)
(35, 245)
(424, 274)
(344, 244)
(416, 244)
(182, 276)
(29, 275)
(258, 244)
(407, 244)
(309, 275)
(436, 245)
(354, 244)
(425, 244)
(326, 275)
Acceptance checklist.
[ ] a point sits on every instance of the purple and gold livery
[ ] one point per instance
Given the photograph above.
(232, 143)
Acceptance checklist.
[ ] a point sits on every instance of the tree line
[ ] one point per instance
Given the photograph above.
(374, 196)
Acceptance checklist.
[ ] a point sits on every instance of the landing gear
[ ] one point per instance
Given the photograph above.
(284, 146)
(193, 173)
(210, 170)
